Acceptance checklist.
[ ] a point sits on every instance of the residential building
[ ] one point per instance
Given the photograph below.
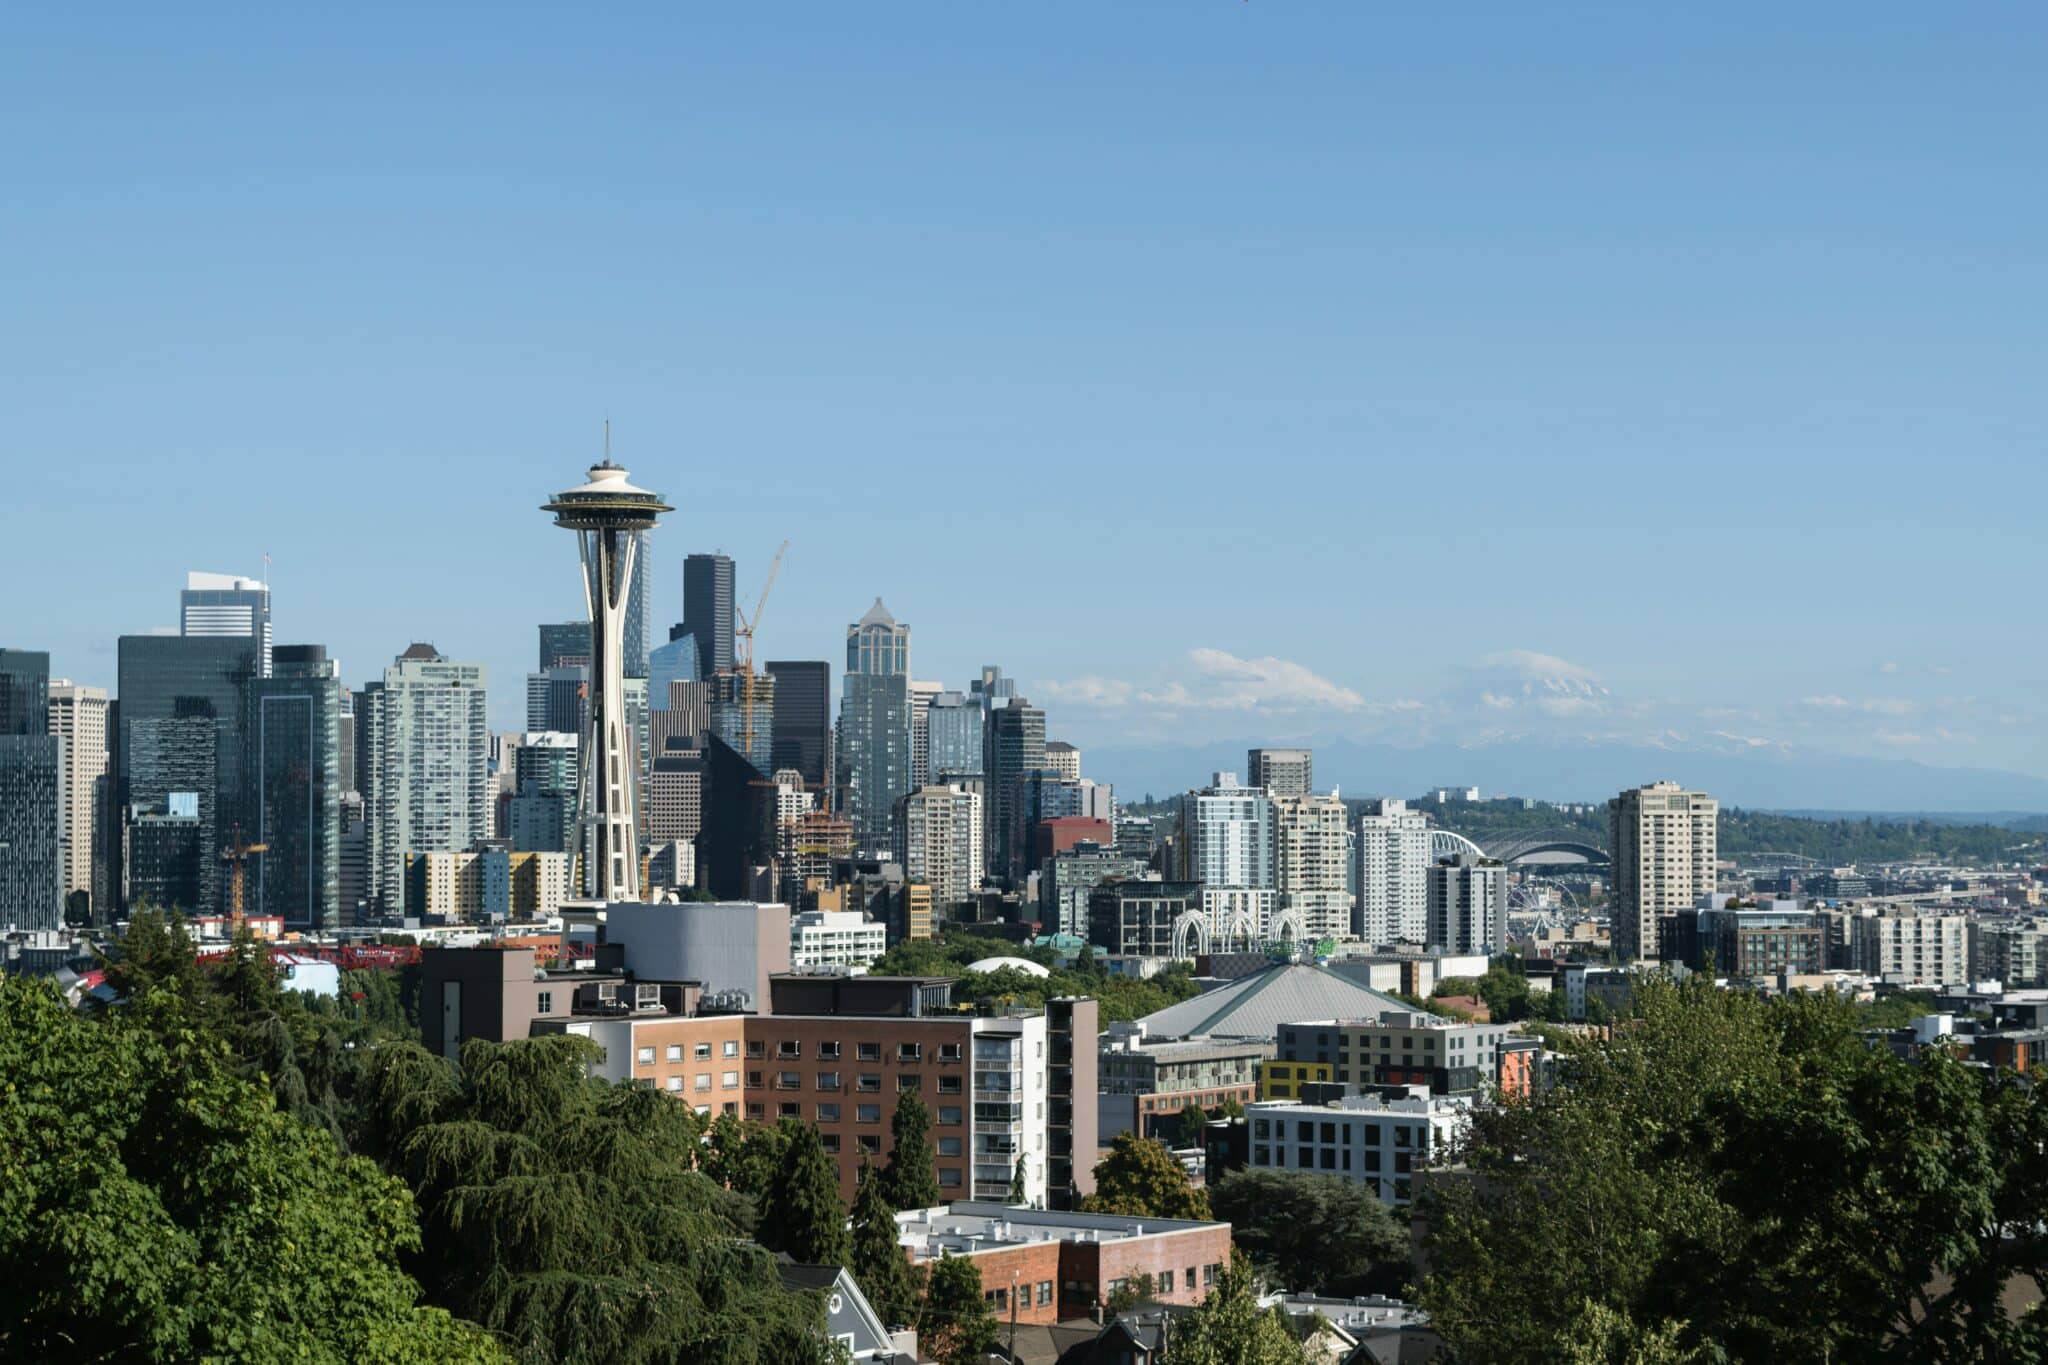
(2014, 953)
(708, 610)
(78, 716)
(541, 816)
(1312, 860)
(427, 788)
(1747, 944)
(1375, 1140)
(1912, 948)
(1400, 1047)
(1393, 858)
(1281, 772)
(802, 719)
(1067, 879)
(1145, 1083)
(294, 788)
(487, 886)
(1073, 1026)
(875, 725)
(835, 939)
(1226, 835)
(1142, 918)
(1664, 842)
(221, 605)
(941, 842)
(1039, 1267)
(1467, 901)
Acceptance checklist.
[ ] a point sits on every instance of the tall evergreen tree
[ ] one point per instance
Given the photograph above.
(803, 1215)
(879, 1264)
(1017, 1193)
(912, 1176)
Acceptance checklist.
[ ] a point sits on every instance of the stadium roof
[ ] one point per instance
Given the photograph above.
(1254, 1006)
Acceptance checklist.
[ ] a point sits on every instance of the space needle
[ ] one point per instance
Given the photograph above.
(606, 513)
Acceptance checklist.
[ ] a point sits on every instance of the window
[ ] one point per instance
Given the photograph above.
(949, 1113)
(949, 1052)
(544, 1002)
(1209, 1273)
(870, 1143)
(754, 1078)
(754, 1047)
(1188, 1278)
(868, 1052)
(828, 1080)
(1044, 1292)
(788, 1047)
(645, 1056)
(949, 1177)
(675, 1082)
(731, 1048)
(1259, 1155)
(674, 1053)
(788, 1080)
(868, 1113)
(828, 1051)
(702, 1052)
(754, 1109)
(703, 1081)
(1329, 1158)
(789, 1109)
(828, 1113)
(949, 1146)
(909, 1052)
(831, 1141)
(868, 1081)
(908, 1081)
(730, 1108)
(1305, 1158)
(949, 1085)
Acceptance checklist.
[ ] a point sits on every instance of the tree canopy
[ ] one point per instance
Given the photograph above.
(911, 1178)
(956, 1326)
(1313, 1233)
(948, 954)
(1229, 1328)
(1139, 1176)
(892, 1284)
(1747, 1179)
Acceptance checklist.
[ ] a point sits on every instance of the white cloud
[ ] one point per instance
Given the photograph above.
(1222, 681)
(1869, 706)
(1888, 666)
(1899, 738)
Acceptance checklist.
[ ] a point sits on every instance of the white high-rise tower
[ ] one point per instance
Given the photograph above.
(607, 514)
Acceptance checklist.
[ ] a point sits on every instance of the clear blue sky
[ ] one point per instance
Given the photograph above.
(1217, 368)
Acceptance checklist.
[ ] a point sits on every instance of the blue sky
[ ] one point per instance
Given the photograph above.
(1218, 369)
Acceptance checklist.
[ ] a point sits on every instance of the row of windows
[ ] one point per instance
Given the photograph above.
(788, 1049)
(728, 1080)
(1330, 1159)
(1305, 1131)
(702, 1052)
(868, 1083)
(946, 1115)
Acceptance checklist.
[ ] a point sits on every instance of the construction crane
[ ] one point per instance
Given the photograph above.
(236, 856)
(743, 653)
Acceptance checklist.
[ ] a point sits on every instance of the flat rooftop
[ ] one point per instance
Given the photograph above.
(968, 1226)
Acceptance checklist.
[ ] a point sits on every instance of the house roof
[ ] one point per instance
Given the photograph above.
(1254, 1006)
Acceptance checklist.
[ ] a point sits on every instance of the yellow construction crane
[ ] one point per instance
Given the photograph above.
(743, 653)
(236, 856)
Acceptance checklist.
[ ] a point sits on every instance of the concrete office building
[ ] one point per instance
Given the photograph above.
(1393, 859)
(842, 940)
(708, 610)
(294, 788)
(221, 605)
(78, 716)
(1468, 905)
(428, 779)
(941, 843)
(564, 644)
(1664, 841)
(1312, 863)
(1281, 772)
(1068, 879)
(802, 719)
(558, 698)
(875, 726)
(1370, 1139)
(1064, 759)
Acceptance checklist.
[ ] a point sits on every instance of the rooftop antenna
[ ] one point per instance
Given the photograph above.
(607, 440)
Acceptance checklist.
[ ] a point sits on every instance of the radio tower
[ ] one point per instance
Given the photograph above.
(607, 514)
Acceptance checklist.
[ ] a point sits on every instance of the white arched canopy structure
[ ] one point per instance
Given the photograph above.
(1287, 928)
(1444, 843)
(1190, 934)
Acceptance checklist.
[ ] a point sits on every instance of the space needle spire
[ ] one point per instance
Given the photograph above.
(607, 513)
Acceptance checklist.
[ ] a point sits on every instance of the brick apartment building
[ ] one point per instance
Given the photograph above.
(1061, 1266)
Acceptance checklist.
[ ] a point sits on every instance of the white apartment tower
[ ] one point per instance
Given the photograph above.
(78, 715)
(941, 842)
(1311, 863)
(1665, 842)
(427, 787)
(1468, 905)
(1392, 854)
(1226, 835)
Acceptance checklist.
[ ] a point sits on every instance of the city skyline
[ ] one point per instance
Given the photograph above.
(1479, 391)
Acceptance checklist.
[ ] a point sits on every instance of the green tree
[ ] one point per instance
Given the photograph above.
(1132, 1291)
(1141, 1177)
(1229, 1328)
(1189, 1125)
(1231, 1108)
(891, 1283)
(1017, 1188)
(563, 1213)
(956, 1326)
(912, 1176)
(156, 953)
(156, 1205)
(803, 1215)
(1320, 1234)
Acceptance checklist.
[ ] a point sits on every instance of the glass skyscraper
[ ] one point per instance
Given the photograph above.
(294, 786)
(427, 751)
(953, 737)
(803, 718)
(874, 726)
(32, 805)
(707, 610)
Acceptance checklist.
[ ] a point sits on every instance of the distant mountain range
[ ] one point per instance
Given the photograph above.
(1795, 780)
